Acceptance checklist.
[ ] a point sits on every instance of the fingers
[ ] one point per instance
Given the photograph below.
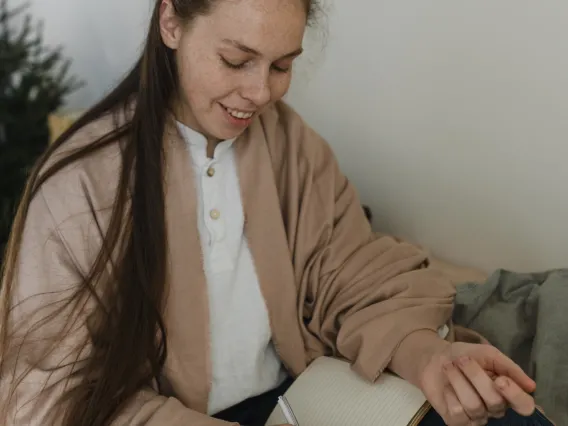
(518, 399)
(466, 394)
(504, 366)
(476, 390)
(484, 385)
(455, 414)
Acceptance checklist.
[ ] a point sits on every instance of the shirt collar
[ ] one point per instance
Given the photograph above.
(197, 143)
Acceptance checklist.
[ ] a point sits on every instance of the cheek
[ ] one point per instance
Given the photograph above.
(280, 85)
(188, 77)
(201, 80)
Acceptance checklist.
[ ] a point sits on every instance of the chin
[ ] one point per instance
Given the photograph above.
(225, 134)
(222, 131)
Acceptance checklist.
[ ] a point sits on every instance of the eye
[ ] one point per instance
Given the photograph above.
(232, 65)
(280, 69)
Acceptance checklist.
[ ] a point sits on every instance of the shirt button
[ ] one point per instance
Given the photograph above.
(215, 214)
(210, 172)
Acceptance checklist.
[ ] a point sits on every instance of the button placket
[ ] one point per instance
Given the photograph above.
(216, 215)
(208, 195)
(213, 202)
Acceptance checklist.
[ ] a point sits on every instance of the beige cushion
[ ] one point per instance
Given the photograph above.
(458, 274)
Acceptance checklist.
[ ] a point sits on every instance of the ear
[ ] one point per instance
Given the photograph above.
(170, 25)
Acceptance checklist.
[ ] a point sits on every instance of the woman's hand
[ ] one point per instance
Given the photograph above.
(469, 383)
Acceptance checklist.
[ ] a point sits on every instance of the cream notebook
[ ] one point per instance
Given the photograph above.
(329, 393)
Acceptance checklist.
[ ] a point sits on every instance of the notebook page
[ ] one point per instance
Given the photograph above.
(329, 393)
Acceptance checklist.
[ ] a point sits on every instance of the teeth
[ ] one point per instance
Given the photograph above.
(240, 114)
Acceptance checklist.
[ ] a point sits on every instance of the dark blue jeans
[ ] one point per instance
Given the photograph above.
(255, 412)
(511, 419)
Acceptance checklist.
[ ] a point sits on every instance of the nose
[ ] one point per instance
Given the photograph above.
(257, 88)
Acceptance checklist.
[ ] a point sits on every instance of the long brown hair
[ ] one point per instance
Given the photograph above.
(126, 353)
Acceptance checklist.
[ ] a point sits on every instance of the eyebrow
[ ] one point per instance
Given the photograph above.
(254, 52)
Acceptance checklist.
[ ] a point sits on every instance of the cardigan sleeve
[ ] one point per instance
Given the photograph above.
(39, 365)
(361, 294)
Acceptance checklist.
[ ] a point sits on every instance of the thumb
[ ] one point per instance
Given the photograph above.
(519, 401)
(504, 366)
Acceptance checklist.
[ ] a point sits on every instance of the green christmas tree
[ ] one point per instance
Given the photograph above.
(33, 83)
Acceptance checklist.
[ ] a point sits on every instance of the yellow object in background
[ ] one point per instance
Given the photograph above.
(58, 123)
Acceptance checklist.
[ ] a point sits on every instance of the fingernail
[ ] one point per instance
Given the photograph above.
(502, 382)
(448, 366)
(464, 360)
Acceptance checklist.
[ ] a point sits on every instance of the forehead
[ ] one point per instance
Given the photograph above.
(269, 26)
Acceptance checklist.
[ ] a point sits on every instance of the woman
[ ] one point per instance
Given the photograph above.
(190, 244)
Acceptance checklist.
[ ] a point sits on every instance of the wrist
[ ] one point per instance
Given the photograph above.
(414, 353)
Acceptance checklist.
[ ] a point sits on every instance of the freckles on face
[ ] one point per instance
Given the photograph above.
(238, 56)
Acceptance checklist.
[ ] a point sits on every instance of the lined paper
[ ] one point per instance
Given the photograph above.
(329, 393)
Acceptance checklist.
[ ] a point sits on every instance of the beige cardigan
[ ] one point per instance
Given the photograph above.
(331, 286)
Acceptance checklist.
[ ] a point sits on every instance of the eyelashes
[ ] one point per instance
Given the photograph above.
(242, 65)
(280, 69)
(231, 65)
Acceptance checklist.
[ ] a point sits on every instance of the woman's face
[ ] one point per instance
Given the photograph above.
(234, 61)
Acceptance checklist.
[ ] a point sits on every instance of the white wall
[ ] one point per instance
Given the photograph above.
(103, 38)
(451, 117)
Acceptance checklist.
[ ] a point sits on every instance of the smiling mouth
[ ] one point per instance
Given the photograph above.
(243, 115)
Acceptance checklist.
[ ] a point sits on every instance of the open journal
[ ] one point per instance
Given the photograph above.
(329, 393)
